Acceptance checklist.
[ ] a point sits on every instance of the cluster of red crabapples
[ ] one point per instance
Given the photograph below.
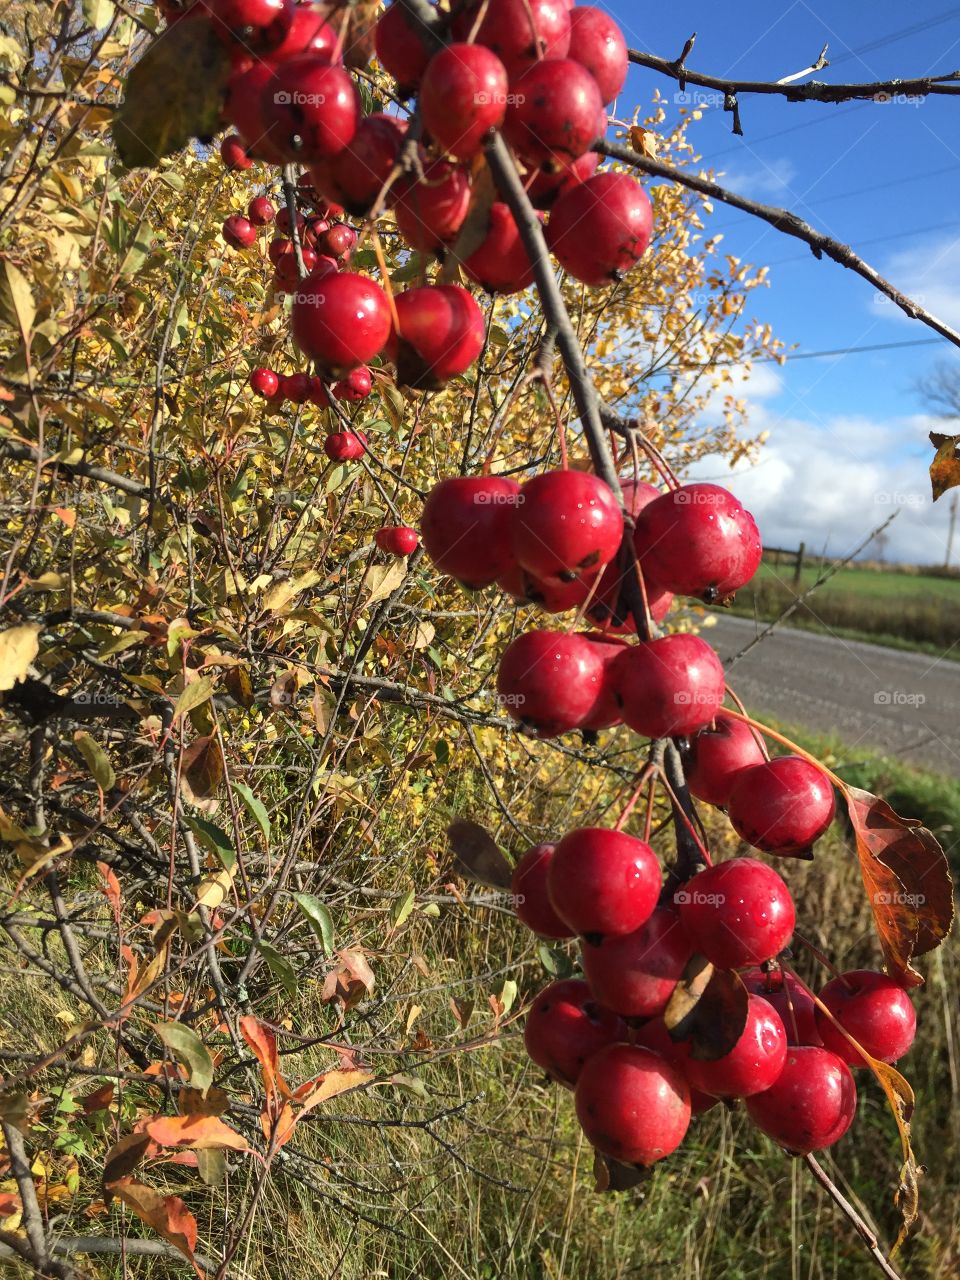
(604, 1036)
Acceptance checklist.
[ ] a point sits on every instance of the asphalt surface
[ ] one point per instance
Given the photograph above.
(903, 704)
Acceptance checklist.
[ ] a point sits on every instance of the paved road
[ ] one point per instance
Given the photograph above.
(903, 704)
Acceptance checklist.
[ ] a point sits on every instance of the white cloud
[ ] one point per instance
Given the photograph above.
(767, 181)
(928, 273)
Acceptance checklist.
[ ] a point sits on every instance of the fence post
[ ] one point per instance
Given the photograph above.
(798, 567)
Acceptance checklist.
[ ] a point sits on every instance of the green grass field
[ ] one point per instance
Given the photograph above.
(883, 605)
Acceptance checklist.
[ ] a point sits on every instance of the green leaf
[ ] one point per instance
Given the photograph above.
(555, 962)
(173, 94)
(280, 967)
(254, 807)
(508, 995)
(197, 692)
(191, 1051)
(212, 1166)
(215, 839)
(97, 760)
(403, 908)
(98, 13)
(319, 917)
(17, 308)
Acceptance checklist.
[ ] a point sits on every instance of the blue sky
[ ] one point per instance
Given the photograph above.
(847, 434)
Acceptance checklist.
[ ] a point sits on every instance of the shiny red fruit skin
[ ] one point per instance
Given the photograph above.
(356, 175)
(551, 597)
(506, 29)
(528, 885)
(310, 33)
(717, 754)
(795, 1005)
(345, 446)
(606, 710)
(337, 241)
(233, 153)
(288, 269)
(669, 687)
(782, 806)
(654, 1035)
(243, 108)
(698, 541)
(549, 681)
(553, 118)
(400, 49)
(431, 211)
(256, 25)
(635, 973)
(295, 387)
(632, 1105)
(500, 262)
(874, 1009)
(568, 523)
(811, 1105)
(439, 335)
(545, 188)
(753, 1064)
(310, 108)
(265, 384)
(283, 223)
(239, 232)
(260, 211)
(603, 882)
(397, 540)
(737, 913)
(318, 393)
(463, 95)
(340, 320)
(597, 42)
(600, 228)
(565, 1027)
(356, 386)
(465, 527)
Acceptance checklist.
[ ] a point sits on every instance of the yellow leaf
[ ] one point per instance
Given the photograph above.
(383, 580)
(17, 308)
(18, 648)
(281, 593)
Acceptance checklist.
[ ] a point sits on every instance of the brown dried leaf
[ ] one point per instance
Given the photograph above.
(907, 879)
(124, 1156)
(612, 1175)
(476, 855)
(167, 1215)
(202, 769)
(945, 468)
(708, 1008)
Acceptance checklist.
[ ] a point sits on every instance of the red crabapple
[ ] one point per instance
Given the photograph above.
(431, 210)
(874, 1009)
(255, 25)
(568, 522)
(600, 228)
(597, 41)
(260, 211)
(310, 109)
(345, 446)
(717, 755)
(233, 153)
(781, 806)
(265, 384)
(669, 687)
(466, 527)
(463, 96)
(340, 320)
(528, 886)
(518, 31)
(553, 118)
(356, 175)
(239, 232)
(356, 386)
(439, 333)
(753, 1064)
(549, 681)
(812, 1103)
(654, 1035)
(635, 973)
(791, 1000)
(737, 913)
(397, 540)
(400, 48)
(632, 1105)
(500, 262)
(565, 1027)
(603, 882)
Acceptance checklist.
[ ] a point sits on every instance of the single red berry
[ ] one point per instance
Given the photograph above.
(431, 210)
(356, 386)
(597, 42)
(669, 687)
(265, 384)
(792, 1001)
(519, 32)
(781, 806)
(698, 541)
(549, 681)
(440, 332)
(243, 108)
(554, 113)
(337, 241)
(606, 709)
(528, 885)
(600, 228)
(345, 446)
(254, 25)
(284, 226)
(545, 188)
(288, 269)
(260, 211)
(233, 153)
(401, 49)
(308, 33)
(717, 755)
(551, 597)
(874, 1009)
(465, 527)
(500, 262)
(237, 231)
(632, 1105)
(314, 229)
(295, 387)
(463, 95)
(567, 523)
(654, 1035)
(278, 247)
(737, 913)
(356, 175)
(812, 1103)
(603, 881)
(340, 320)
(753, 1064)
(310, 109)
(397, 540)
(565, 1027)
(318, 393)
(635, 973)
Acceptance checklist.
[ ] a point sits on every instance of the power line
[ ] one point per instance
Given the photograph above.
(838, 351)
(781, 133)
(882, 41)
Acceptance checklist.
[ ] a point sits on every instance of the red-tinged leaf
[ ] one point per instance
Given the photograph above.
(476, 855)
(264, 1045)
(196, 1132)
(330, 1084)
(188, 1158)
(281, 1132)
(9, 1204)
(167, 1215)
(350, 981)
(907, 879)
(111, 889)
(99, 1100)
(945, 468)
